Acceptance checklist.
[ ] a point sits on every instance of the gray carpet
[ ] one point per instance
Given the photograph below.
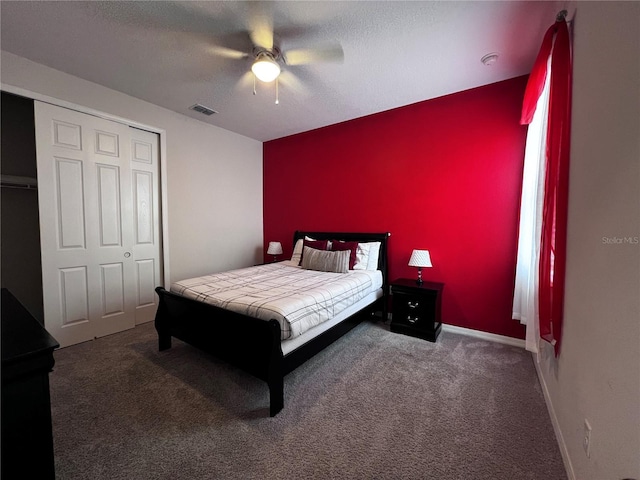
(374, 405)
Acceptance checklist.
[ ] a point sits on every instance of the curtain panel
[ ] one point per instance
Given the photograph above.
(556, 46)
(525, 296)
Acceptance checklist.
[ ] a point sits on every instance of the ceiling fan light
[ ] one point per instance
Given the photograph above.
(265, 69)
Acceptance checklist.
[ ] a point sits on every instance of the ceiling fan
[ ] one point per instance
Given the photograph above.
(268, 59)
(255, 41)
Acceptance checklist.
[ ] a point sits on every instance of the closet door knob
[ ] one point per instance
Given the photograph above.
(127, 254)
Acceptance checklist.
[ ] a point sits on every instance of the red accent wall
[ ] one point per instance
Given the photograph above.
(443, 175)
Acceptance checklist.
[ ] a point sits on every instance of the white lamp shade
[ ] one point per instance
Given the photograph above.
(265, 69)
(420, 258)
(275, 248)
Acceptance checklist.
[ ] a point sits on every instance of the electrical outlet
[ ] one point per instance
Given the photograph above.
(586, 439)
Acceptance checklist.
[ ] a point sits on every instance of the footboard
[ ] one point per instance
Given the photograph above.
(245, 342)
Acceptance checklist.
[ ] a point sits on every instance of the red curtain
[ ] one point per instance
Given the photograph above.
(553, 244)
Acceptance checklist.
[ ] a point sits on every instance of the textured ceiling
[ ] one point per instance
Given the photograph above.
(168, 53)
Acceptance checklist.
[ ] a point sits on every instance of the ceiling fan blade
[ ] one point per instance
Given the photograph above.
(303, 56)
(262, 35)
(245, 83)
(261, 24)
(289, 82)
(228, 52)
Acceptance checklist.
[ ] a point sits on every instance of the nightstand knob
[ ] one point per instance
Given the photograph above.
(412, 319)
(413, 304)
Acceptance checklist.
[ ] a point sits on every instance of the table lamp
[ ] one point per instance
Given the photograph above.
(420, 258)
(275, 249)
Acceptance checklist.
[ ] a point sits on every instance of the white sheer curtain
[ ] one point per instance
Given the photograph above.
(525, 295)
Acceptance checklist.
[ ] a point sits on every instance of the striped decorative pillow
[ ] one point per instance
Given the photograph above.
(325, 260)
(317, 244)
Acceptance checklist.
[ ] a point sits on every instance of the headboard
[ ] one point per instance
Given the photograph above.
(383, 238)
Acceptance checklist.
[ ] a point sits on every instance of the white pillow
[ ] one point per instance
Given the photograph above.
(297, 249)
(367, 256)
(362, 256)
(374, 253)
(326, 260)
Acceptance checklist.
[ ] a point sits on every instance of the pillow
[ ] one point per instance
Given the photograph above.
(367, 256)
(374, 253)
(339, 245)
(317, 244)
(362, 256)
(297, 250)
(325, 260)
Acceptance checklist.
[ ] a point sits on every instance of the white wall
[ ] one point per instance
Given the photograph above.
(597, 375)
(214, 176)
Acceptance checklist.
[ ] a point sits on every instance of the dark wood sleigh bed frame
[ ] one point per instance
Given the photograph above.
(253, 344)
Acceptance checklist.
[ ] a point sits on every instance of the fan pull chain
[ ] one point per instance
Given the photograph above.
(277, 89)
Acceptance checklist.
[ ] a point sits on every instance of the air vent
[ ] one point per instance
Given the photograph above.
(202, 109)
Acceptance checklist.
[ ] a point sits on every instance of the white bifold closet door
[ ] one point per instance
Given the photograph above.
(98, 194)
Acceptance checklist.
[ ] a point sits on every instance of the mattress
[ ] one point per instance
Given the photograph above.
(297, 298)
(293, 343)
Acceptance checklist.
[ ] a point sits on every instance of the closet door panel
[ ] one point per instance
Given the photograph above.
(109, 205)
(146, 216)
(69, 190)
(86, 224)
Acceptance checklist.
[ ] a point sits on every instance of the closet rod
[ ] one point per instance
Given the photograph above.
(14, 181)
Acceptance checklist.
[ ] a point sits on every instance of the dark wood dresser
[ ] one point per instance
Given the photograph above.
(27, 359)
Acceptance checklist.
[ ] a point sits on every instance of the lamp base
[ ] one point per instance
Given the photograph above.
(419, 280)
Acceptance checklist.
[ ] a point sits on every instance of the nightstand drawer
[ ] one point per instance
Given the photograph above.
(412, 309)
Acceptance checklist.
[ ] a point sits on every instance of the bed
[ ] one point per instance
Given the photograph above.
(261, 346)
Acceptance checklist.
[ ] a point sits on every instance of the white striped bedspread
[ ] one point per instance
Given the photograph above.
(297, 298)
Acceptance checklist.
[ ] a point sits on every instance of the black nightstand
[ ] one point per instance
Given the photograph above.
(416, 308)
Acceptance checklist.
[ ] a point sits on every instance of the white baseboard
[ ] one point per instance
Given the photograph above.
(492, 337)
(568, 466)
